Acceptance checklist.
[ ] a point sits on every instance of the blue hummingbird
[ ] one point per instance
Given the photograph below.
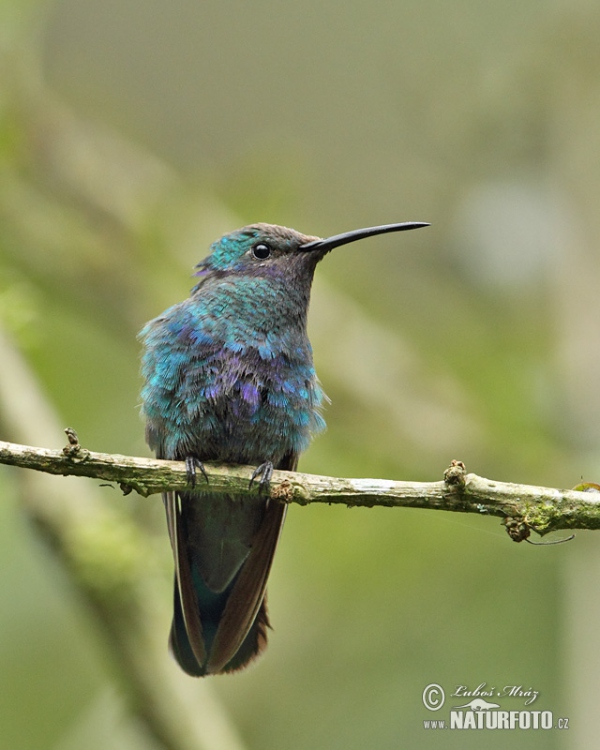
(229, 377)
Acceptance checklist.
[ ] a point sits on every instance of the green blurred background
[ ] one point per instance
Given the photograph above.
(135, 132)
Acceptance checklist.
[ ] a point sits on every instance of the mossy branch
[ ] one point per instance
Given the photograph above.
(523, 507)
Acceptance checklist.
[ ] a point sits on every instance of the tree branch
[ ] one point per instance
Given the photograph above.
(523, 507)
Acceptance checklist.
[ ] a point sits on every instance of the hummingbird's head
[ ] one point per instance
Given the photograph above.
(273, 251)
(255, 247)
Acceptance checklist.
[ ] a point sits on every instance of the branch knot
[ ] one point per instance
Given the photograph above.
(455, 475)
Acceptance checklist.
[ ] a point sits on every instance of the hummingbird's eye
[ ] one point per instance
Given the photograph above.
(261, 250)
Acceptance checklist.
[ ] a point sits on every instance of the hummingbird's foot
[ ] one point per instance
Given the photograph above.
(191, 464)
(265, 472)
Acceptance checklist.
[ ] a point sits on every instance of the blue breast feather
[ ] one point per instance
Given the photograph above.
(225, 382)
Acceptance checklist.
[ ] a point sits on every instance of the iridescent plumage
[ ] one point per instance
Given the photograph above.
(229, 377)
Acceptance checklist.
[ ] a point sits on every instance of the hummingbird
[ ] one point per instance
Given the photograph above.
(229, 378)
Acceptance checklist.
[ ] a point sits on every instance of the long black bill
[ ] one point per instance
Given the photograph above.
(358, 234)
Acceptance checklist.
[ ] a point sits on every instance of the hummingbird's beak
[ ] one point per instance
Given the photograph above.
(358, 234)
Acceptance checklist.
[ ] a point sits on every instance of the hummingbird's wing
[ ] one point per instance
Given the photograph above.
(220, 619)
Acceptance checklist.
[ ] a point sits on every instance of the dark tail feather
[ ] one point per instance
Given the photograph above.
(254, 643)
(246, 599)
(252, 646)
(180, 643)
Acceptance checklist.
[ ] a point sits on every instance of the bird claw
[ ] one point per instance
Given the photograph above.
(191, 464)
(265, 472)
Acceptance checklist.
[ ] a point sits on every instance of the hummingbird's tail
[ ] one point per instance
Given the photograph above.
(223, 548)
(252, 646)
